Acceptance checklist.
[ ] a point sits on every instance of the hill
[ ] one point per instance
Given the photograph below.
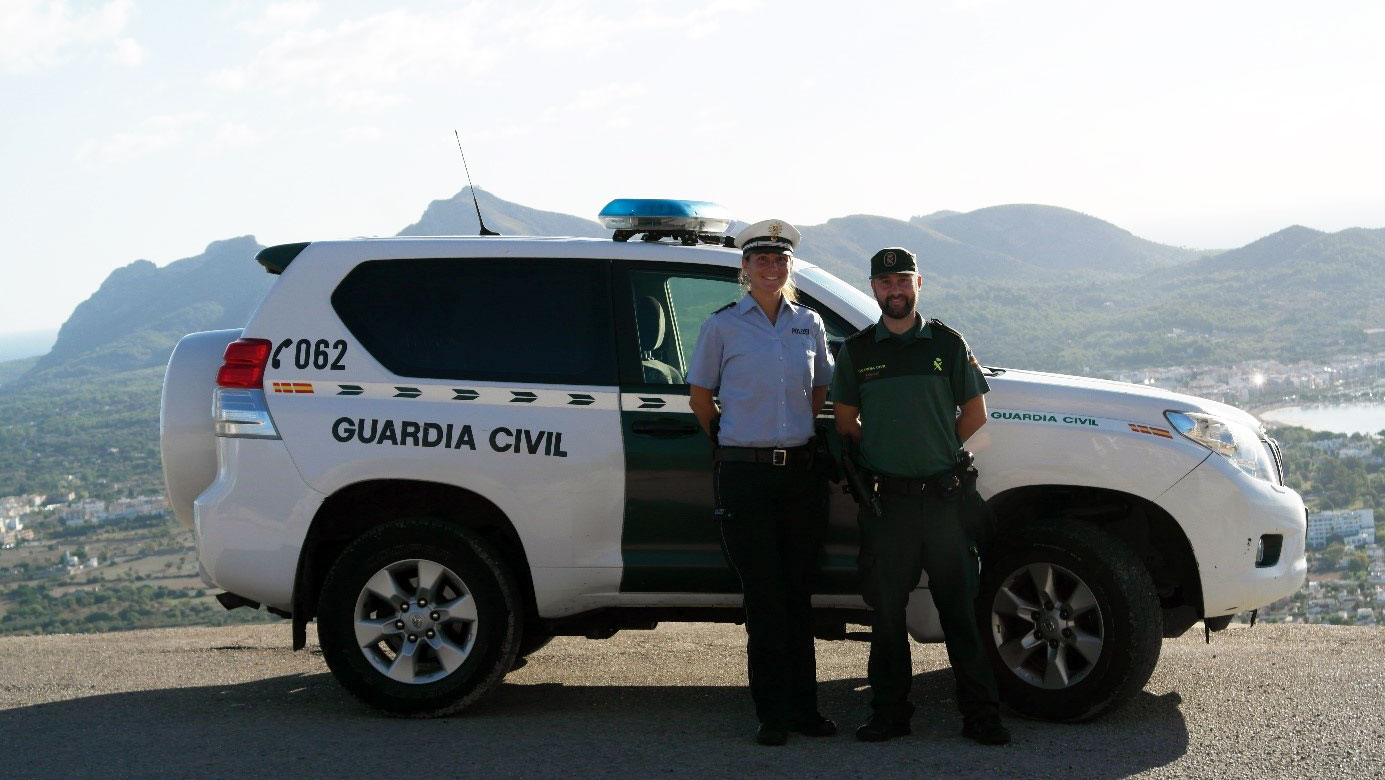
(133, 320)
(1298, 294)
(844, 246)
(456, 216)
(1056, 239)
(11, 370)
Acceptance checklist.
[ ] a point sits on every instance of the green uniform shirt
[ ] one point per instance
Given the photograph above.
(908, 388)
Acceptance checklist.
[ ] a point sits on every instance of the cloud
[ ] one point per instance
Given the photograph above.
(35, 34)
(281, 16)
(233, 135)
(127, 52)
(359, 64)
(154, 133)
(360, 134)
(354, 64)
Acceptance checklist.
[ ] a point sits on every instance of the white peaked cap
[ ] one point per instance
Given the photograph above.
(770, 235)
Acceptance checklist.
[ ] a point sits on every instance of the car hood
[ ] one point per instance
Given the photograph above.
(1036, 391)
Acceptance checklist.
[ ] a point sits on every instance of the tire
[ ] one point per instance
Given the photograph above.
(466, 634)
(1095, 637)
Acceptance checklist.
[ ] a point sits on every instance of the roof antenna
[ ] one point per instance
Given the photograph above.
(479, 221)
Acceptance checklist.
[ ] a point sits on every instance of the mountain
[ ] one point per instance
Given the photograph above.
(1056, 239)
(844, 246)
(456, 216)
(1298, 294)
(141, 310)
(1039, 286)
(13, 369)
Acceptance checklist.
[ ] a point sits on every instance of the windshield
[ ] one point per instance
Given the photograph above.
(859, 308)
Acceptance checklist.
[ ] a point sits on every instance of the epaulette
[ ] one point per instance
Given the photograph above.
(724, 308)
(940, 325)
(966, 348)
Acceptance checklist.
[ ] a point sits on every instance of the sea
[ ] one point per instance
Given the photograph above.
(1338, 418)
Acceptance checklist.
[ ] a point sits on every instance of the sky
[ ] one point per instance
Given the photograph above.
(133, 129)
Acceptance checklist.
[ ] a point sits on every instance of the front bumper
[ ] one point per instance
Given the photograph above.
(1225, 513)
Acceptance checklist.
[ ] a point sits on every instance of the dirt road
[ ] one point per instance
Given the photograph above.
(1268, 702)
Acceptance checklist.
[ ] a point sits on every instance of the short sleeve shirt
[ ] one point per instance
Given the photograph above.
(763, 374)
(908, 388)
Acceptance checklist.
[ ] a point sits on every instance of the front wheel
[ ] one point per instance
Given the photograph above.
(419, 617)
(1071, 621)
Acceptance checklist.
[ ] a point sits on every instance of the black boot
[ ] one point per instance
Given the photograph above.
(880, 728)
(987, 731)
(772, 734)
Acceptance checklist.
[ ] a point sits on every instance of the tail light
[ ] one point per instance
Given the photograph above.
(244, 364)
(238, 405)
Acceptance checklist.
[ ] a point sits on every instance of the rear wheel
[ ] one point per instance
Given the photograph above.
(419, 617)
(1073, 620)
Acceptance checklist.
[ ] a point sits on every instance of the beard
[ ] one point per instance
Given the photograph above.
(898, 306)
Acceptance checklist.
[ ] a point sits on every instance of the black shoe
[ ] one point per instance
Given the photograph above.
(771, 734)
(879, 729)
(817, 726)
(988, 731)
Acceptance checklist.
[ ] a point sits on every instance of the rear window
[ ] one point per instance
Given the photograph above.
(510, 320)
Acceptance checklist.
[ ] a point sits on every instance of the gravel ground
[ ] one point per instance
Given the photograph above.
(1268, 702)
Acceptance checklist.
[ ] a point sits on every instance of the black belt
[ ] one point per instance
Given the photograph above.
(944, 485)
(802, 455)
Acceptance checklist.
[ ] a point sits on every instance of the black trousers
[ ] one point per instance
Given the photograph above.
(918, 534)
(772, 533)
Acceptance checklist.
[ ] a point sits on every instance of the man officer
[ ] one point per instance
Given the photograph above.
(897, 389)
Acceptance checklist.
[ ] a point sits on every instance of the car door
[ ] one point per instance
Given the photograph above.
(669, 542)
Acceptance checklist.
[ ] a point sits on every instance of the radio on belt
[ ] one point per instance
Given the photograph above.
(691, 222)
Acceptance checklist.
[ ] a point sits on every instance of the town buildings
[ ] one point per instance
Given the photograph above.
(1356, 527)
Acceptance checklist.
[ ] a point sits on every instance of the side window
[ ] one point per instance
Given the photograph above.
(669, 311)
(513, 320)
(837, 328)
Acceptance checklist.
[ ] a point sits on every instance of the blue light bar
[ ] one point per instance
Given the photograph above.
(663, 214)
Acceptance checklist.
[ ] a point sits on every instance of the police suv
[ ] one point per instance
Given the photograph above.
(450, 450)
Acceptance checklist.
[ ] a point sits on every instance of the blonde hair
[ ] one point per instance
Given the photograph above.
(789, 291)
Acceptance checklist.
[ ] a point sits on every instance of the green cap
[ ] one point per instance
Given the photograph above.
(893, 260)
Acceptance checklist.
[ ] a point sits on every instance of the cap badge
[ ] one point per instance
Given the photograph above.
(889, 259)
(775, 229)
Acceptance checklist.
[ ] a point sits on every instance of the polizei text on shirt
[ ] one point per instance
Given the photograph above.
(410, 433)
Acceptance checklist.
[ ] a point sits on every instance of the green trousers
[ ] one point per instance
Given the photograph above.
(917, 535)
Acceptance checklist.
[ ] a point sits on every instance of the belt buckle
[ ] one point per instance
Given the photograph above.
(779, 457)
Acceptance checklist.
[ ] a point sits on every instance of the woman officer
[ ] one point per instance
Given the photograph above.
(767, 359)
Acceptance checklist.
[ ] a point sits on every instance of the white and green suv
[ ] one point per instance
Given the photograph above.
(450, 450)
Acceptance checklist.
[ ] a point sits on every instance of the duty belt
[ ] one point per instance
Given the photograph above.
(943, 485)
(802, 455)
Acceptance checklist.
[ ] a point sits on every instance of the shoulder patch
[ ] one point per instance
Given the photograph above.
(966, 348)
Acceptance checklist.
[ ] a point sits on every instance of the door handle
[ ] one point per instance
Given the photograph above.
(664, 427)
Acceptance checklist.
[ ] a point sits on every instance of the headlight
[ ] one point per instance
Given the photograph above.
(1239, 443)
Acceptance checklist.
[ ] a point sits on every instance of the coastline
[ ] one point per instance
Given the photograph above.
(1334, 417)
